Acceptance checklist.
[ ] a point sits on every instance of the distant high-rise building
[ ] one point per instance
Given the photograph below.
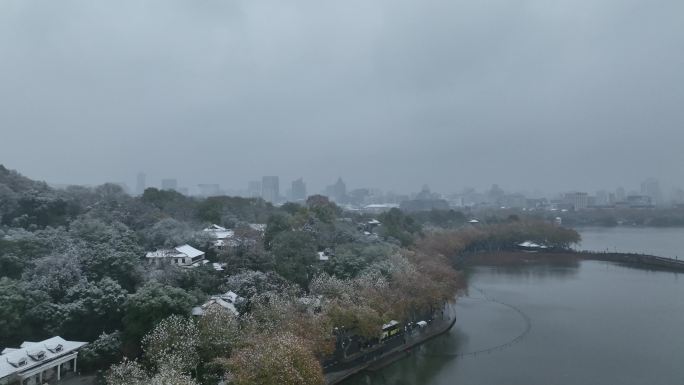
(209, 190)
(578, 200)
(254, 189)
(298, 192)
(270, 188)
(620, 194)
(425, 193)
(141, 184)
(496, 194)
(424, 205)
(602, 198)
(678, 196)
(515, 200)
(651, 189)
(169, 184)
(337, 191)
(359, 196)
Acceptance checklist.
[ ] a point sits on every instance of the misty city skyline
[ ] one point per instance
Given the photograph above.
(532, 95)
(131, 185)
(666, 191)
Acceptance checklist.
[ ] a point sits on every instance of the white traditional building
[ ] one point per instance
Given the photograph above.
(35, 363)
(531, 246)
(185, 256)
(224, 237)
(222, 301)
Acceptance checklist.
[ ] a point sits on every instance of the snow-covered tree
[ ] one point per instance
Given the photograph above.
(55, 275)
(173, 344)
(172, 377)
(152, 303)
(219, 332)
(102, 352)
(280, 359)
(127, 373)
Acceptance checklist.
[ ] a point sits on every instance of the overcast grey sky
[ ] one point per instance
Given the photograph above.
(549, 94)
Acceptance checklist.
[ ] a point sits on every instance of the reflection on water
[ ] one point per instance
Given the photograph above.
(597, 323)
(540, 271)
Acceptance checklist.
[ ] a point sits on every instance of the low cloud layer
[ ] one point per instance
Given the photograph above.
(569, 94)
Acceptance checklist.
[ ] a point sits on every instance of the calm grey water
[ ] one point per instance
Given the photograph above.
(663, 242)
(588, 323)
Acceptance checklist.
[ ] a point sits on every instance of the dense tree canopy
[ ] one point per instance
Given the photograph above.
(276, 359)
(152, 303)
(399, 226)
(72, 263)
(294, 253)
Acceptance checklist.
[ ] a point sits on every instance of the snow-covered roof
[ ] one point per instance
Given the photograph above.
(201, 310)
(381, 206)
(189, 251)
(164, 254)
(220, 232)
(33, 354)
(322, 256)
(230, 242)
(224, 304)
(224, 234)
(374, 222)
(218, 266)
(178, 252)
(215, 227)
(390, 324)
(531, 245)
(473, 221)
(231, 296)
(258, 226)
(215, 301)
(226, 301)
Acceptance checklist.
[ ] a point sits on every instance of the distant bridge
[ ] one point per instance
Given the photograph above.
(637, 259)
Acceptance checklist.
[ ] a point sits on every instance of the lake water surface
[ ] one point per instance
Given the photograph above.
(584, 323)
(663, 242)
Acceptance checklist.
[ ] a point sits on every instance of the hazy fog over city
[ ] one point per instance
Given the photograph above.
(350, 192)
(531, 94)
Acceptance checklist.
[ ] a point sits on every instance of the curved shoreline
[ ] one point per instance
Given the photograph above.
(503, 258)
(432, 331)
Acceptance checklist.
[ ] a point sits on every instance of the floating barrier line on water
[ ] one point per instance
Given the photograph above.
(518, 338)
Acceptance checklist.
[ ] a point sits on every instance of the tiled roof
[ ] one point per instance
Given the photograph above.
(33, 354)
(189, 251)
